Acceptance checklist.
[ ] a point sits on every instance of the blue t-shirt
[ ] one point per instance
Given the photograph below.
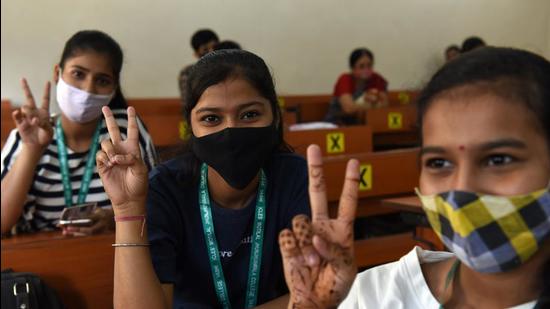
(178, 247)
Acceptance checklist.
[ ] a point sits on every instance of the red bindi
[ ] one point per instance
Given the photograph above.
(461, 147)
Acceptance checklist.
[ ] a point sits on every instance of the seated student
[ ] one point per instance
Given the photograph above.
(48, 164)
(357, 91)
(451, 53)
(484, 186)
(472, 43)
(214, 213)
(227, 44)
(202, 42)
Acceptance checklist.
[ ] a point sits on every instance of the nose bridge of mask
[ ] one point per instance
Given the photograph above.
(479, 209)
(82, 95)
(454, 206)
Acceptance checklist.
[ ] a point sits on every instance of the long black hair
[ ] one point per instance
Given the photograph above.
(519, 76)
(99, 42)
(516, 75)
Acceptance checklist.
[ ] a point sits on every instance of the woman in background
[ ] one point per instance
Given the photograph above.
(357, 91)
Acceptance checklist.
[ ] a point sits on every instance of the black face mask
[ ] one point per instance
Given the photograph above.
(237, 154)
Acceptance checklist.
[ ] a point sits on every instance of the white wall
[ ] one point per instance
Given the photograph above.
(306, 42)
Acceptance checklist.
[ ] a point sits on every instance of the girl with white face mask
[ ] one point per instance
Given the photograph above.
(48, 163)
(484, 185)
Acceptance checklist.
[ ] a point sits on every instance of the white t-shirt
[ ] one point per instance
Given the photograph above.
(400, 284)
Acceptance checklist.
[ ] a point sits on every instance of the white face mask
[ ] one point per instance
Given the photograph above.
(78, 105)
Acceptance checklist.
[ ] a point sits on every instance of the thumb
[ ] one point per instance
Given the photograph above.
(126, 159)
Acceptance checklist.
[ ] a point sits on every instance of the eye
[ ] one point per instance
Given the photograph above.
(210, 119)
(104, 82)
(77, 74)
(249, 115)
(438, 163)
(499, 160)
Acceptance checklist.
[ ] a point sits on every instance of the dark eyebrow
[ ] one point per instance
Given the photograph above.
(431, 149)
(249, 104)
(208, 109)
(511, 143)
(81, 68)
(217, 109)
(87, 70)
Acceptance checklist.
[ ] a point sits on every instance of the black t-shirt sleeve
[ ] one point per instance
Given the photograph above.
(163, 228)
(296, 181)
(300, 200)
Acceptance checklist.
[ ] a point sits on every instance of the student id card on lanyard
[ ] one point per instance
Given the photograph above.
(212, 244)
(64, 165)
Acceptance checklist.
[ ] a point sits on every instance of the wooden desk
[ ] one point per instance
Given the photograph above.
(409, 203)
(411, 212)
(392, 118)
(338, 141)
(402, 97)
(383, 174)
(384, 249)
(393, 127)
(308, 107)
(80, 269)
(162, 117)
(7, 121)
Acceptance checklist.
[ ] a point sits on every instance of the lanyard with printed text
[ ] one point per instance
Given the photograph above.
(212, 244)
(450, 277)
(64, 165)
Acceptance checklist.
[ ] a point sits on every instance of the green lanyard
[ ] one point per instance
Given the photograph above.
(212, 244)
(64, 165)
(450, 277)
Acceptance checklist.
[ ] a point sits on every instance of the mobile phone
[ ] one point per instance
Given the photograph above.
(78, 215)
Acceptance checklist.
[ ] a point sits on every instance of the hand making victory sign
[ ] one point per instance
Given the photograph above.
(318, 255)
(33, 124)
(122, 171)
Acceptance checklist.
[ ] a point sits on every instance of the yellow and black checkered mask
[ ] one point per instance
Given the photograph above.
(490, 233)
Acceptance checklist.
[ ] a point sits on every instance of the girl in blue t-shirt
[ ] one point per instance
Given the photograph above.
(213, 214)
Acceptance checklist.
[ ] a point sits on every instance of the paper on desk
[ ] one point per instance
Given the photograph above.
(312, 126)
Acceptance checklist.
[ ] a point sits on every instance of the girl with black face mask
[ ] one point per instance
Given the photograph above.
(213, 214)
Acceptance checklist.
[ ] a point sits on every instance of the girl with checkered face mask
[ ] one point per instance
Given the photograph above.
(484, 185)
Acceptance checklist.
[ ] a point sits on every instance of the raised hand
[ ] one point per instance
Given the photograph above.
(122, 171)
(318, 256)
(33, 123)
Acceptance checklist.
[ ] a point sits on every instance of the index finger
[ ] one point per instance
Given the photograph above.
(348, 199)
(28, 93)
(317, 186)
(133, 131)
(112, 126)
(46, 98)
